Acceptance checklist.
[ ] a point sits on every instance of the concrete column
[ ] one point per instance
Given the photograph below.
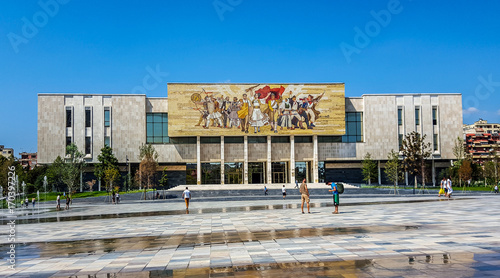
(379, 173)
(292, 159)
(222, 168)
(406, 178)
(315, 159)
(245, 160)
(433, 173)
(81, 181)
(268, 164)
(198, 160)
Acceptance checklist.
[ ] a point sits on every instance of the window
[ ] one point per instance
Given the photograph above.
(107, 117)
(280, 139)
(157, 128)
(400, 140)
(233, 140)
(88, 119)
(107, 141)
(400, 116)
(329, 139)
(417, 115)
(183, 140)
(434, 115)
(353, 127)
(68, 141)
(69, 119)
(435, 142)
(303, 139)
(88, 145)
(210, 140)
(257, 139)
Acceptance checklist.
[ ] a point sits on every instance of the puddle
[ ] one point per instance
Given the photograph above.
(60, 218)
(449, 265)
(189, 241)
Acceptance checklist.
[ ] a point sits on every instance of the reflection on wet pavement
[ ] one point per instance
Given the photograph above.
(32, 219)
(68, 248)
(441, 265)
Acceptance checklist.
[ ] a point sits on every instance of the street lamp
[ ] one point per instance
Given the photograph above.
(128, 176)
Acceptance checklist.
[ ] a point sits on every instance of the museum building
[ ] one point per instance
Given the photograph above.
(226, 133)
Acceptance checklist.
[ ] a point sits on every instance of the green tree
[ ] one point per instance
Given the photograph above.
(73, 166)
(393, 169)
(164, 178)
(110, 175)
(148, 166)
(54, 174)
(107, 160)
(459, 149)
(465, 171)
(415, 151)
(370, 171)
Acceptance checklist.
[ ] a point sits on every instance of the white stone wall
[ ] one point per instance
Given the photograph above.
(51, 128)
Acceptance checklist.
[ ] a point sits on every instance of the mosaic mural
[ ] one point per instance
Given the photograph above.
(255, 109)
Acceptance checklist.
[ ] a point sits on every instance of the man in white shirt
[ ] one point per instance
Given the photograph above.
(450, 189)
(186, 195)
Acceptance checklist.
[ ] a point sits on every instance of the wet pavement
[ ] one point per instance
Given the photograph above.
(371, 237)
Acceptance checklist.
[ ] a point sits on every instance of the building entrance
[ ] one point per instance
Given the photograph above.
(303, 171)
(256, 172)
(279, 172)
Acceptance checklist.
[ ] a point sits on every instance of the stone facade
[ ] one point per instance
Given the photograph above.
(127, 131)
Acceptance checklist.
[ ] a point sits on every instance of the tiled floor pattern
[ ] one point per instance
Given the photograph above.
(212, 242)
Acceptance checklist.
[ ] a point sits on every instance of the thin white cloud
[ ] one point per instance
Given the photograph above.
(498, 112)
(470, 110)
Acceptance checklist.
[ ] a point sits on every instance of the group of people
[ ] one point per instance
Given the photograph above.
(58, 201)
(258, 110)
(25, 203)
(446, 188)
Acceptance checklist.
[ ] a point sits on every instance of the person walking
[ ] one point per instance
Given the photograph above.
(265, 190)
(117, 197)
(58, 202)
(442, 190)
(186, 195)
(450, 189)
(33, 200)
(304, 192)
(496, 188)
(335, 196)
(296, 184)
(283, 190)
(67, 202)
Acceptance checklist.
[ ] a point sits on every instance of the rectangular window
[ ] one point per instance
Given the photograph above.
(417, 115)
(257, 139)
(434, 115)
(233, 140)
(157, 128)
(69, 118)
(400, 141)
(400, 116)
(88, 119)
(88, 145)
(183, 140)
(68, 141)
(107, 117)
(209, 140)
(353, 127)
(435, 142)
(303, 139)
(280, 139)
(107, 141)
(329, 139)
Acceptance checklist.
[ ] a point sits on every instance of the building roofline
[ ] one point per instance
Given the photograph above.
(89, 94)
(412, 94)
(255, 83)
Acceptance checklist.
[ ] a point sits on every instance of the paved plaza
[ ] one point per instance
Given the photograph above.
(376, 236)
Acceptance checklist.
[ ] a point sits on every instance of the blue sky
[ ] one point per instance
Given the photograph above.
(108, 47)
